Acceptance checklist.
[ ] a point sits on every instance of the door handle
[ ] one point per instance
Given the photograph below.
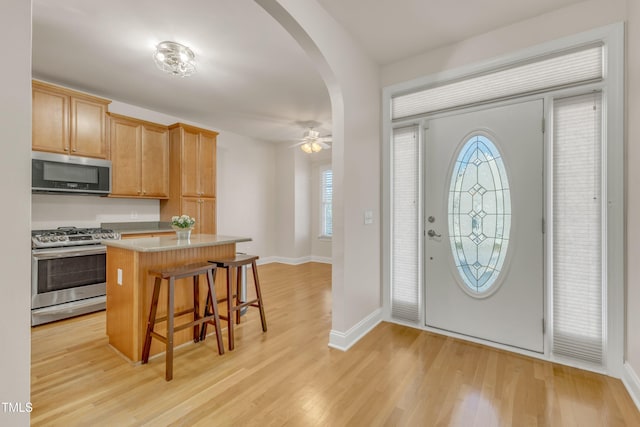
(432, 233)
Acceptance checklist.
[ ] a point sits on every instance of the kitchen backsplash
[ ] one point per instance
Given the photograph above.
(52, 210)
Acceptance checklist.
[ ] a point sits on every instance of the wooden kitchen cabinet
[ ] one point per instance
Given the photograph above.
(192, 177)
(204, 212)
(140, 158)
(68, 122)
(198, 155)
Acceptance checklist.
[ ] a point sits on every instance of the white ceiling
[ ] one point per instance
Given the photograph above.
(252, 78)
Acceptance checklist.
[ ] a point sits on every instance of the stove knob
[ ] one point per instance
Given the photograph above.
(44, 239)
(54, 238)
(63, 238)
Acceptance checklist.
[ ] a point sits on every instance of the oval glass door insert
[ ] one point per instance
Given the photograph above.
(479, 211)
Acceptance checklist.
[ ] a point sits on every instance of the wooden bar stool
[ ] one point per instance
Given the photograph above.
(171, 275)
(234, 305)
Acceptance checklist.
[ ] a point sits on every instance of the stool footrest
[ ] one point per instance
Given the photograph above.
(178, 314)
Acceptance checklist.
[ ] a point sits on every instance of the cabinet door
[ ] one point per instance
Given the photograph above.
(88, 128)
(155, 162)
(190, 164)
(50, 121)
(191, 206)
(207, 165)
(208, 216)
(125, 157)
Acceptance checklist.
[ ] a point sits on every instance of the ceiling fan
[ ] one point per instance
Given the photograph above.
(312, 142)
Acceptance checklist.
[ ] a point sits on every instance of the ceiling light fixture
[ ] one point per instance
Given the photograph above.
(312, 142)
(175, 59)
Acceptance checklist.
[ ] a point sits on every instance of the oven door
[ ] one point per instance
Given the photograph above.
(61, 275)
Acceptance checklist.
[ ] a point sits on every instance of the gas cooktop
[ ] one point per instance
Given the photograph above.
(71, 236)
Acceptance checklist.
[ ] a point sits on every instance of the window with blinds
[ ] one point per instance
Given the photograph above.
(405, 225)
(578, 326)
(326, 194)
(553, 71)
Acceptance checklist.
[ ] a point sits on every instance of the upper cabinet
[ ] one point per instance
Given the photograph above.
(68, 122)
(192, 176)
(140, 158)
(198, 160)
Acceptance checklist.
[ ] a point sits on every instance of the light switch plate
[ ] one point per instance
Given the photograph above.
(120, 276)
(368, 217)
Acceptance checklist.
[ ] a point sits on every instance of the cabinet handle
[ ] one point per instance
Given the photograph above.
(74, 150)
(66, 148)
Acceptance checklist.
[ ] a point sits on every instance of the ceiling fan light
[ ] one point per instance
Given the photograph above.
(175, 59)
(306, 147)
(315, 147)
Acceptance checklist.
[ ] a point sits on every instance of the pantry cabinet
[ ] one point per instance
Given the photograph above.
(140, 158)
(68, 122)
(192, 176)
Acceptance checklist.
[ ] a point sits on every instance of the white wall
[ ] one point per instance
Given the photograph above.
(285, 203)
(245, 192)
(353, 83)
(15, 183)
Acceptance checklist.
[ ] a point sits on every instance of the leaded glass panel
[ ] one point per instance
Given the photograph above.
(479, 214)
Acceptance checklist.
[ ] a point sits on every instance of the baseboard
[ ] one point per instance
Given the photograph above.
(293, 261)
(345, 340)
(632, 383)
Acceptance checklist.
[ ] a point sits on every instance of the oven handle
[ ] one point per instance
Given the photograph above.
(67, 252)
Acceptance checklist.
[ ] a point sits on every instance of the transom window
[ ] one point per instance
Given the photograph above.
(479, 212)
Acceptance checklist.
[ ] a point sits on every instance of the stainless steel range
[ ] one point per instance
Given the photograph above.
(68, 272)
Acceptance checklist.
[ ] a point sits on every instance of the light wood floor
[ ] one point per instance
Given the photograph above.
(288, 376)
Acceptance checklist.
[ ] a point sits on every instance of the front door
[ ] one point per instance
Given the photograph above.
(484, 222)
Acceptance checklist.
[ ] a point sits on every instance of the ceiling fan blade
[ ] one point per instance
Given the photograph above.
(297, 144)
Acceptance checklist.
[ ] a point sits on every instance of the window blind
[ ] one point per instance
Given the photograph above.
(546, 73)
(326, 195)
(405, 225)
(577, 228)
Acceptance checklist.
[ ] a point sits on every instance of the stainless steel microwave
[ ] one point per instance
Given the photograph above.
(59, 173)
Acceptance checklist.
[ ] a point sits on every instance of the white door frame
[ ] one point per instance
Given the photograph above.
(613, 169)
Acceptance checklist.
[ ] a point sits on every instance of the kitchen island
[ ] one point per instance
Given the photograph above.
(129, 287)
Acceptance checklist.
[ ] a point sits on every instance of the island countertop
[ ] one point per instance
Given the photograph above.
(170, 243)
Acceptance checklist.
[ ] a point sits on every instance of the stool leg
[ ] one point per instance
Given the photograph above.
(152, 320)
(196, 307)
(203, 329)
(238, 286)
(230, 272)
(169, 353)
(259, 295)
(214, 305)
